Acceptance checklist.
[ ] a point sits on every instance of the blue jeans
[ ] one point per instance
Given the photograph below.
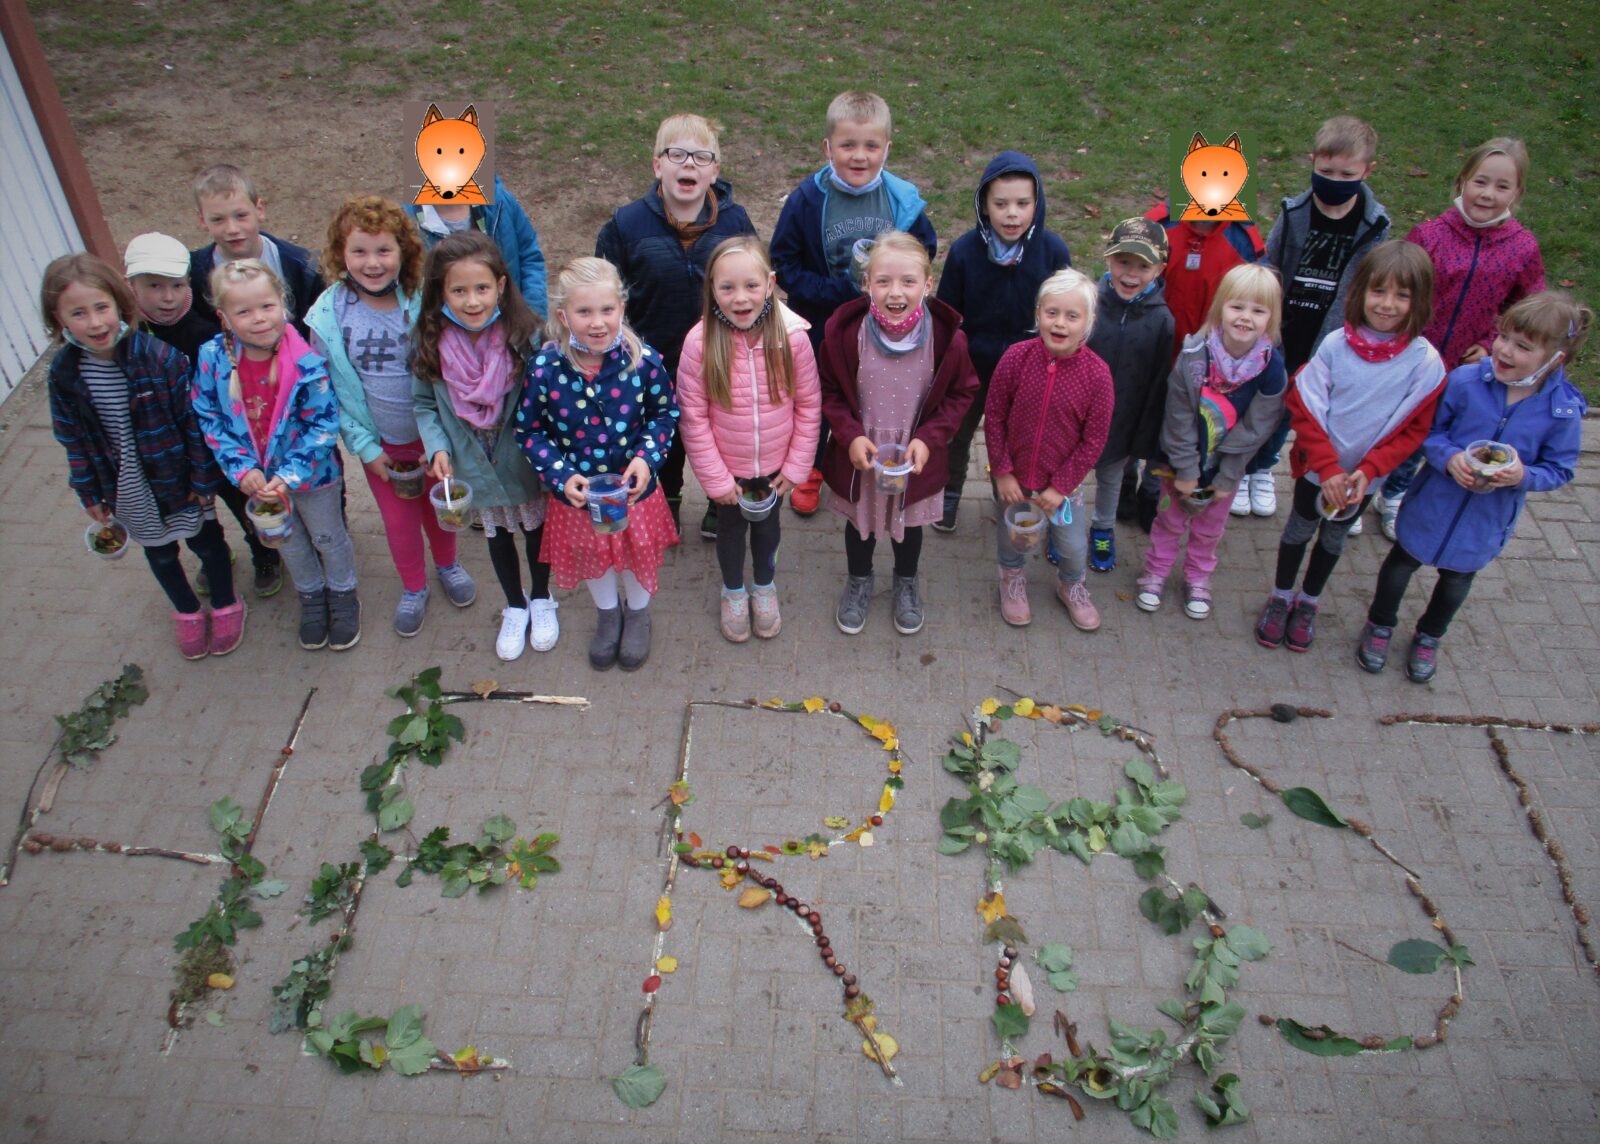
(1400, 480)
(1071, 543)
(319, 553)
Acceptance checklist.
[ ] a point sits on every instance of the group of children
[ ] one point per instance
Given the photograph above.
(426, 339)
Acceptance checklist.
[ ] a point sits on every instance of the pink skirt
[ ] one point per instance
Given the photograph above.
(576, 552)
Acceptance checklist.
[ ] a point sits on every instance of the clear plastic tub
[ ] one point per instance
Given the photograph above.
(894, 470)
(1487, 458)
(272, 520)
(452, 505)
(407, 479)
(754, 505)
(608, 502)
(109, 541)
(1025, 524)
(1326, 510)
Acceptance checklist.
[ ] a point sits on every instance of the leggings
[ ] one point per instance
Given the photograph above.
(503, 556)
(1304, 522)
(215, 561)
(1393, 578)
(858, 551)
(764, 537)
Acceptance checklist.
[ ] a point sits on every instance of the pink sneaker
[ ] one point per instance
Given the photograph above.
(227, 628)
(1080, 608)
(191, 629)
(1014, 608)
(766, 620)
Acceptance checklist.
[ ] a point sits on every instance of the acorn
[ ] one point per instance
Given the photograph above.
(877, 820)
(838, 969)
(851, 992)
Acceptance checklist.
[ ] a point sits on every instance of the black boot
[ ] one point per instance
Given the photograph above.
(314, 619)
(344, 620)
(607, 637)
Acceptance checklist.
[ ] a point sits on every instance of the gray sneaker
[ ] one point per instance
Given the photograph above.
(459, 588)
(852, 613)
(344, 619)
(409, 613)
(907, 606)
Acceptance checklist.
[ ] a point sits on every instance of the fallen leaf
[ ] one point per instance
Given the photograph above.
(855, 835)
(815, 850)
(885, 800)
(866, 838)
(1417, 173)
(652, 983)
(867, 721)
(1022, 989)
(214, 1018)
(679, 793)
(694, 840)
(639, 1086)
(891, 744)
(773, 850)
(992, 907)
(664, 913)
(1025, 708)
(988, 707)
(1051, 714)
(1091, 210)
(836, 822)
(894, 766)
(484, 688)
(1567, 283)
(887, 1046)
(220, 981)
(730, 878)
(814, 704)
(990, 1071)
(762, 855)
(754, 897)
(883, 732)
(467, 1060)
(1009, 1078)
(1124, 596)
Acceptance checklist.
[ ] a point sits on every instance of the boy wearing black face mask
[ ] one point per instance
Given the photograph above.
(1315, 244)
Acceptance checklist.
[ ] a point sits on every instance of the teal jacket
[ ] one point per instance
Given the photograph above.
(355, 420)
(501, 480)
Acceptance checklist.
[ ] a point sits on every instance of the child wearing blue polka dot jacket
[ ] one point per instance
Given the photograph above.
(600, 402)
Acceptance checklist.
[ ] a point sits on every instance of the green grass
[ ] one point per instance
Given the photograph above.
(1092, 93)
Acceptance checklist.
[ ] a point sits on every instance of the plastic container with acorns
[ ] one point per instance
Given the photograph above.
(109, 541)
(1488, 458)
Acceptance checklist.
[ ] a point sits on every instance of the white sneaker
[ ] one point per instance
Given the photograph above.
(1388, 513)
(1355, 529)
(513, 639)
(546, 628)
(1263, 494)
(1241, 498)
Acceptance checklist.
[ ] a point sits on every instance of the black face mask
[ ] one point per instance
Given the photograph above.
(394, 284)
(1334, 192)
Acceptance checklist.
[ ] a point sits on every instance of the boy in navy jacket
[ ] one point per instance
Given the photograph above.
(231, 212)
(827, 225)
(991, 275)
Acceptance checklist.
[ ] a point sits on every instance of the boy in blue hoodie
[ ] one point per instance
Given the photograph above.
(992, 275)
(507, 223)
(827, 225)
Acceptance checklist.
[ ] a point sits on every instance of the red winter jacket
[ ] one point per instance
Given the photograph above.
(955, 384)
(1047, 418)
(1477, 273)
(1190, 288)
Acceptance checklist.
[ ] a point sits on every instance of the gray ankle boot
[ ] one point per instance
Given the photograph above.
(314, 619)
(344, 619)
(635, 638)
(607, 635)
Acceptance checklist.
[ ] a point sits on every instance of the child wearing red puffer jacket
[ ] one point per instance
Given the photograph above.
(1045, 424)
(750, 409)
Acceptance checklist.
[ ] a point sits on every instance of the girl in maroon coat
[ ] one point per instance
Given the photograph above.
(895, 373)
(1484, 260)
(1045, 422)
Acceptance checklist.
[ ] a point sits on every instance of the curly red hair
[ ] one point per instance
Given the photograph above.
(375, 215)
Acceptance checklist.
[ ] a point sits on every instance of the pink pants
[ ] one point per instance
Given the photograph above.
(1205, 533)
(405, 522)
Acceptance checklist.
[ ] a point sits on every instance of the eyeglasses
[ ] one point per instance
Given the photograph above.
(681, 157)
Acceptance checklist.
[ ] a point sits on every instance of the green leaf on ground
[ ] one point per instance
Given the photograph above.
(1254, 822)
(1418, 956)
(1309, 805)
(639, 1086)
(1320, 1042)
(1010, 1022)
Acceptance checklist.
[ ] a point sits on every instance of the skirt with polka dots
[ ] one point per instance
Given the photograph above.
(576, 552)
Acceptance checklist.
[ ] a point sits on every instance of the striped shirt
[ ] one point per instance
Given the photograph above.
(135, 503)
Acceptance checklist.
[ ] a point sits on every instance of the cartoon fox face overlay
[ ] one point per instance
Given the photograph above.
(1213, 176)
(449, 151)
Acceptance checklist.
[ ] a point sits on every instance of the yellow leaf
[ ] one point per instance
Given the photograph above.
(992, 907)
(730, 878)
(1438, 923)
(467, 1060)
(866, 838)
(855, 835)
(816, 850)
(1024, 707)
(1051, 714)
(989, 707)
(885, 801)
(220, 981)
(1092, 715)
(883, 732)
(664, 913)
(754, 897)
(867, 721)
(484, 688)
(761, 854)
(868, 1024)
(679, 793)
(894, 766)
(1077, 709)
(887, 1046)
(891, 744)
(1097, 839)
(814, 704)
(666, 963)
(773, 702)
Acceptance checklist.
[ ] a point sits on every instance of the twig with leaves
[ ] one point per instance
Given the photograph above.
(84, 734)
(1311, 806)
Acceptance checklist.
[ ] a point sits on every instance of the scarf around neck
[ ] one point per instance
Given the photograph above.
(477, 374)
(1474, 224)
(1002, 255)
(1370, 345)
(1227, 373)
(688, 232)
(840, 185)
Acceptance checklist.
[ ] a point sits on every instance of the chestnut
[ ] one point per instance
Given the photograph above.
(877, 820)
(849, 978)
(851, 992)
(1011, 952)
(829, 960)
(742, 866)
(803, 911)
(782, 898)
(835, 707)
(838, 969)
(1002, 1000)
(732, 852)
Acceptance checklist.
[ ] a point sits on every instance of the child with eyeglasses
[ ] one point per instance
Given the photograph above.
(660, 245)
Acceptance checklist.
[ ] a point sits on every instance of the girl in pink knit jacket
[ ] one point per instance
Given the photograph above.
(1483, 261)
(1045, 422)
(750, 409)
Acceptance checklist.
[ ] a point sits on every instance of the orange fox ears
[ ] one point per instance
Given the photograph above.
(470, 115)
(1232, 142)
(433, 116)
(1195, 144)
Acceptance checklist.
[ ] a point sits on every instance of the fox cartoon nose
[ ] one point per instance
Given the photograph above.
(452, 194)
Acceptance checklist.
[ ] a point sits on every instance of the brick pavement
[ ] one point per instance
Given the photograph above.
(747, 1030)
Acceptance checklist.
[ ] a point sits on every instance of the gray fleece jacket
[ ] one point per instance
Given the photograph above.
(1287, 241)
(1195, 438)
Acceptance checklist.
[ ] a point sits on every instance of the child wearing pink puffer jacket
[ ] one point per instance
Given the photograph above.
(750, 410)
